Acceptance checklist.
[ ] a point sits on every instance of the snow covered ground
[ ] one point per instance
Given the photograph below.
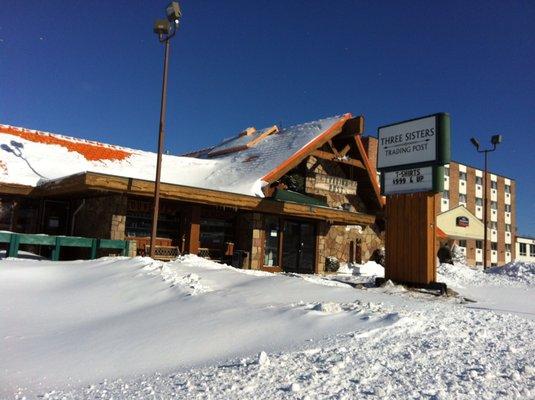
(133, 328)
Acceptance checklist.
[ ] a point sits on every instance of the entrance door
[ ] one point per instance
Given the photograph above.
(299, 247)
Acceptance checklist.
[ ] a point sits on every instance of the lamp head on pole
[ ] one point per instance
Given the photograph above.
(173, 12)
(496, 139)
(475, 142)
(162, 27)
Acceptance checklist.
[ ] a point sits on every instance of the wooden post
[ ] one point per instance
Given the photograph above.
(56, 249)
(94, 245)
(13, 250)
(193, 230)
(411, 238)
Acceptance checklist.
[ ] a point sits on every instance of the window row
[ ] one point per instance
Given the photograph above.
(523, 249)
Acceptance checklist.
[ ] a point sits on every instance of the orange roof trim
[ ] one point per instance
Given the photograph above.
(440, 233)
(92, 151)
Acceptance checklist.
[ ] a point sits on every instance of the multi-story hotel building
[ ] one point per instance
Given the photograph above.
(463, 186)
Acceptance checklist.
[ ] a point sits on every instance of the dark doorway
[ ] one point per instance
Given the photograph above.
(299, 247)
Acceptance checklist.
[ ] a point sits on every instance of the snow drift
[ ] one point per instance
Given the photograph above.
(134, 328)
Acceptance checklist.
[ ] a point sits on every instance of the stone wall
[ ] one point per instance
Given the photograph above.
(339, 239)
(102, 217)
(257, 247)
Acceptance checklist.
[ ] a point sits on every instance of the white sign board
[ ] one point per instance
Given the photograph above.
(407, 143)
(408, 180)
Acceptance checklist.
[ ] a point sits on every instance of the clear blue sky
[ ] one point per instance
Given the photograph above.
(92, 69)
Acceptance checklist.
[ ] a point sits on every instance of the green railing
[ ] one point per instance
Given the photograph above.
(14, 240)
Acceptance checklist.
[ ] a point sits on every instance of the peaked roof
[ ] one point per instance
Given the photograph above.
(243, 164)
(446, 221)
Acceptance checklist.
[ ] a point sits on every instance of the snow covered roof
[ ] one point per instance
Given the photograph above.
(240, 165)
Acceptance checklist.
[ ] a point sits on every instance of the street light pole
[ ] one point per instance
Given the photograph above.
(495, 140)
(165, 29)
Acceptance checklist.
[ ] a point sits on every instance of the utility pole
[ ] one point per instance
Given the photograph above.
(165, 29)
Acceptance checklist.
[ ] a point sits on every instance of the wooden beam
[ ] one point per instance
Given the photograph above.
(213, 197)
(372, 172)
(345, 150)
(67, 185)
(14, 188)
(332, 157)
(330, 142)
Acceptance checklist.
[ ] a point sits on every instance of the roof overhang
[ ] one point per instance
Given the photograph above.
(15, 189)
(91, 182)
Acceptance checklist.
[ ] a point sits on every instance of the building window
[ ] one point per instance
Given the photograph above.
(271, 249)
(494, 184)
(446, 171)
(507, 247)
(507, 188)
(523, 247)
(494, 246)
(532, 250)
(479, 201)
(462, 243)
(508, 208)
(494, 205)
(507, 228)
(462, 198)
(479, 180)
(446, 194)
(494, 225)
(479, 244)
(462, 176)
(139, 219)
(493, 264)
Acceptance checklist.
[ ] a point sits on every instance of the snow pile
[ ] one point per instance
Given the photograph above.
(459, 275)
(370, 268)
(518, 271)
(513, 274)
(67, 324)
(328, 308)
(134, 328)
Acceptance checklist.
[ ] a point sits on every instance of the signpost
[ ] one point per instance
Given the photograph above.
(411, 156)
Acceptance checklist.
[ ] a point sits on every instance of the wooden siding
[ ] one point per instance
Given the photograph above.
(410, 238)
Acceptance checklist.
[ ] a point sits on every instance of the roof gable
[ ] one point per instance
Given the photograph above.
(446, 221)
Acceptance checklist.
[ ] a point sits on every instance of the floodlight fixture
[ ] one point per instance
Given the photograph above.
(475, 142)
(173, 12)
(496, 139)
(162, 27)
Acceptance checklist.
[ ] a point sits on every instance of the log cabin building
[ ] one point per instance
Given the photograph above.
(276, 199)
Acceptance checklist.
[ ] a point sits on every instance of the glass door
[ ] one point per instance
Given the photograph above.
(299, 247)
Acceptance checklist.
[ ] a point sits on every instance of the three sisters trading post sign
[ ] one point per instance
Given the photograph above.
(411, 158)
(411, 154)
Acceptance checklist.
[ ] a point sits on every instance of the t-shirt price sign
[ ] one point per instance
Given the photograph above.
(411, 154)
